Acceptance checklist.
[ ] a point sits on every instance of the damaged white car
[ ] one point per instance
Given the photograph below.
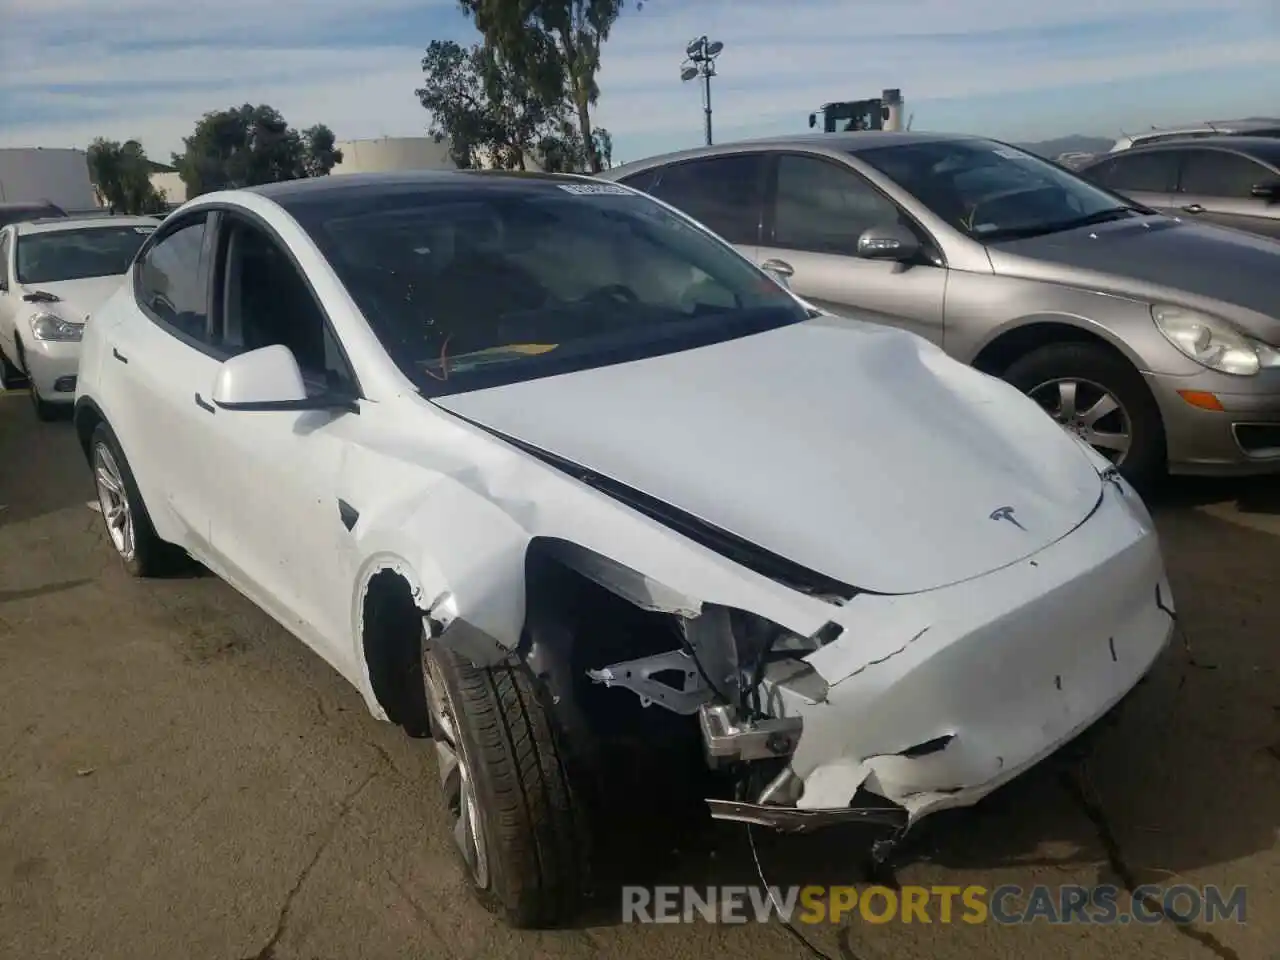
(538, 463)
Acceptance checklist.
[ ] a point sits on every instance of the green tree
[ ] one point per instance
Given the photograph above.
(555, 43)
(486, 106)
(250, 145)
(122, 174)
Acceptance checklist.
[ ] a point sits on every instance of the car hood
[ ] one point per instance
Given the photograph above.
(1158, 258)
(77, 299)
(861, 452)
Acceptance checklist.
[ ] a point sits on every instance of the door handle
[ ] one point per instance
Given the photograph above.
(119, 356)
(1193, 208)
(204, 404)
(780, 267)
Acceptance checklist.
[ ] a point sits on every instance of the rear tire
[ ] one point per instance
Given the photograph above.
(1097, 368)
(532, 832)
(129, 529)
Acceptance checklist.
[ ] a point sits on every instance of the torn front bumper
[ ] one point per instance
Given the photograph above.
(934, 700)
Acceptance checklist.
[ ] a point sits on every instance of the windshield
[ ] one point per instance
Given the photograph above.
(475, 286)
(994, 192)
(51, 256)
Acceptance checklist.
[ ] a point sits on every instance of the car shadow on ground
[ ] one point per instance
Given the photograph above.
(1183, 778)
(41, 470)
(1255, 495)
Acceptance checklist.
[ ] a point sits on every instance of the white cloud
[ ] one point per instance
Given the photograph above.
(782, 59)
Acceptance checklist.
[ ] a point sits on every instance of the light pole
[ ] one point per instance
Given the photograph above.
(701, 62)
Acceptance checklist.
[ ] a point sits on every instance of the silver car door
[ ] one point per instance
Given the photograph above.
(1217, 186)
(815, 212)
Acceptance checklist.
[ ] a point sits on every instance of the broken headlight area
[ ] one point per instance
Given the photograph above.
(747, 682)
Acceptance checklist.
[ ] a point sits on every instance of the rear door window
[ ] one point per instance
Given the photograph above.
(723, 193)
(1154, 172)
(1215, 173)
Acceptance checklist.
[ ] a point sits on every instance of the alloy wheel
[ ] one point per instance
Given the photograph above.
(455, 776)
(1089, 411)
(113, 499)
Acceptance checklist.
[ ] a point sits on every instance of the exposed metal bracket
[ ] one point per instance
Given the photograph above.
(638, 677)
(728, 739)
(792, 820)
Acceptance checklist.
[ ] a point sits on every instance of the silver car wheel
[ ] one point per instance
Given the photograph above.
(455, 776)
(1089, 411)
(114, 501)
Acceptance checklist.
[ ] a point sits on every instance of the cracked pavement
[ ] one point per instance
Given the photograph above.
(179, 777)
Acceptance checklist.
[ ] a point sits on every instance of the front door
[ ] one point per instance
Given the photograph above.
(819, 209)
(278, 527)
(1217, 187)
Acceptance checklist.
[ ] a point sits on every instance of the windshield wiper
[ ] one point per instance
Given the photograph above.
(41, 296)
(1040, 230)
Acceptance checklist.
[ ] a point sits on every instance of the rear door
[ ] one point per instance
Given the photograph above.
(815, 211)
(157, 372)
(1148, 177)
(724, 193)
(1217, 186)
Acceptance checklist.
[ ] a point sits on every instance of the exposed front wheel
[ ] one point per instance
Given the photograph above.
(515, 818)
(1100, 398)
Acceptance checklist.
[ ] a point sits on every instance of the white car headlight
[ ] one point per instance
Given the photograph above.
(1213, 342)
(50, 326)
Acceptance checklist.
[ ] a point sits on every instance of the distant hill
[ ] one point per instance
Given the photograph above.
(1075, 143)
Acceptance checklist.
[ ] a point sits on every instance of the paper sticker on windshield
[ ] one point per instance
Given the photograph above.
(595, 189)
(986, 227)
(144, 229)
(1008, 153)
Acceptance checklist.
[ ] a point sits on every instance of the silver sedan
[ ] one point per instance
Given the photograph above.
(1149, 336)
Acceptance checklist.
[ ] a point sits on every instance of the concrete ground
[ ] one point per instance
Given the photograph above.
(180, 778)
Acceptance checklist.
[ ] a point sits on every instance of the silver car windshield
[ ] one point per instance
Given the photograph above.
(995, 192)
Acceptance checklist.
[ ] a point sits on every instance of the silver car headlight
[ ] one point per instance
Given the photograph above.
(1213, 342)
(50, 326)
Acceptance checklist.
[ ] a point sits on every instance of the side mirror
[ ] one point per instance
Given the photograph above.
(890, 242)
(779, 272)
(268, 379)
(813, 120)
(1269, 190)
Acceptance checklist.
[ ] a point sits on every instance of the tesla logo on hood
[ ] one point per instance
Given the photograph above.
(1006, 513)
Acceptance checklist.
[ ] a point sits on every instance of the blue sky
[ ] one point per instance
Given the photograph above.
(74, 69)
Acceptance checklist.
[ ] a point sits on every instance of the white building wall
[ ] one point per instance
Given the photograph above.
(392, 153)
(171, 185)
(60, 176)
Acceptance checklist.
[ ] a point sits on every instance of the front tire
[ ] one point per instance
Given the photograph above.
(44, 410)
(129, 529)
(10, 376)
(517, 821)
(1098, 396)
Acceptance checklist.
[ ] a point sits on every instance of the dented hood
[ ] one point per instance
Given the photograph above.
(858, 451)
